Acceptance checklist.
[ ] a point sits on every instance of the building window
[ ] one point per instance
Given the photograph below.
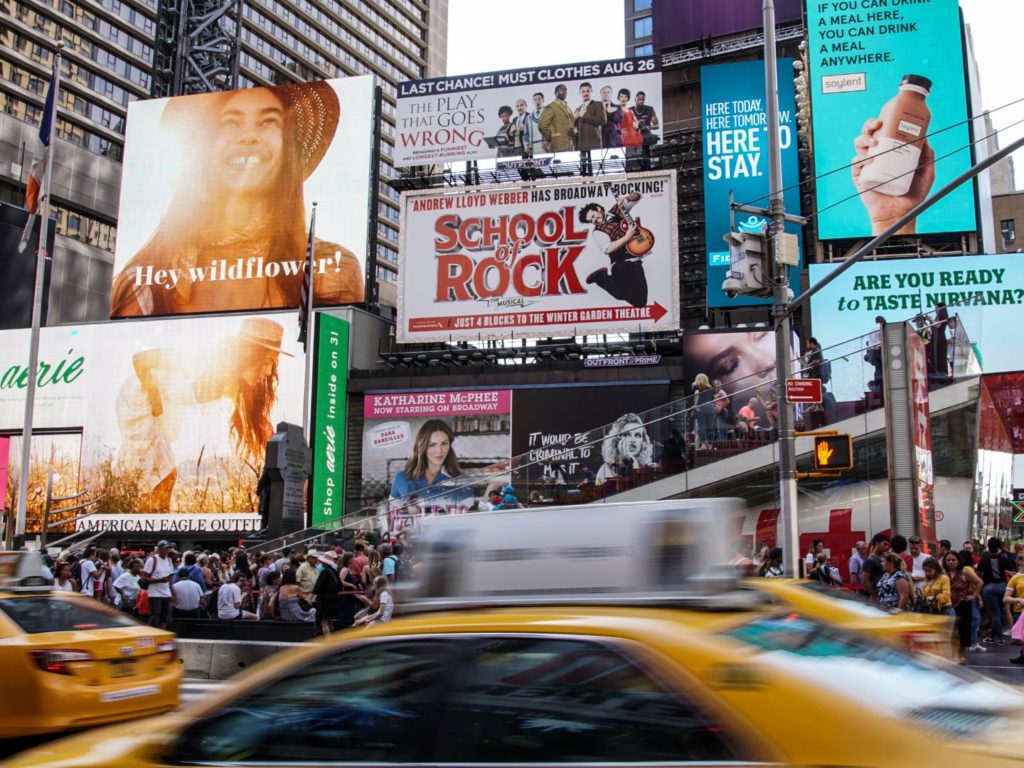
(642, 27)
(644, 50)
(1008, 230)
(641, 5)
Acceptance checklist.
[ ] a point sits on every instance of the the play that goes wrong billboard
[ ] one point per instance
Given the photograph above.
(537, 110)
(889, 110)
(560, 257)
(217, 192)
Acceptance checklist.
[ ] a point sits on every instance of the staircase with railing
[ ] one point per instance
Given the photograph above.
(739, 416)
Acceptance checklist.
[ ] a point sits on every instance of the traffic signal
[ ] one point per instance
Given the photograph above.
(833, 452)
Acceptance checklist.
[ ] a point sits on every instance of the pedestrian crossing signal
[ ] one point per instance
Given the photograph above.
(833, 452)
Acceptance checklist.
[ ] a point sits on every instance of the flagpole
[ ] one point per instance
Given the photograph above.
(37, 314)
(309, 325)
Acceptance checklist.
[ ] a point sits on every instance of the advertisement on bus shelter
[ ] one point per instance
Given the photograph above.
(156, 418)
(217, 192)
(564, 257)
(597, 105)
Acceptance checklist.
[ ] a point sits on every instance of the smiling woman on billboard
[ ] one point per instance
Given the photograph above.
(233, 235)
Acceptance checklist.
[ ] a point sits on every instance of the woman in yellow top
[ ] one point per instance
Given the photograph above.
(936, 589)
(1014, 597)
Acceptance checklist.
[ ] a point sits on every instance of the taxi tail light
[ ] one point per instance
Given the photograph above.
(57, 661)
(169, 647)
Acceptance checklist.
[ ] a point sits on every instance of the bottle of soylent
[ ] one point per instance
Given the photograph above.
(904, 119)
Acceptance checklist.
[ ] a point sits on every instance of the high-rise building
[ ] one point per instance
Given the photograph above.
(108, 62)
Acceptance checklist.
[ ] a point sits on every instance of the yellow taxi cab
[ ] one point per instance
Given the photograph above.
(599, 683)
(69, 662)
(849, 610)
(516, 648)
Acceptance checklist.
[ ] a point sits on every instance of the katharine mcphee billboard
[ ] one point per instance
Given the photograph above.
(563, 257)
(217, 191)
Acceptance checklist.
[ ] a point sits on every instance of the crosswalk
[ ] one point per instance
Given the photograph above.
(194, 689)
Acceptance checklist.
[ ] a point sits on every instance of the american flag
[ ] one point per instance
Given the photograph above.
(305, 304)
(37, 172)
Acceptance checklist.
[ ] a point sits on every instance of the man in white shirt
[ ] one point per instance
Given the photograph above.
(917, 569)
(229, 601)
(158, 570)
(126, 586)
(186, 595)
(92, 574)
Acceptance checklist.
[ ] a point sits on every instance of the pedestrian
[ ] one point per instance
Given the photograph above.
(964, 588)
(385, 604)
(856, 562)
(126, 586)
(935, 588)
(872, 570)
(185, 596)
(229, 600)
(772, 567)
(326, 599)
(267, 605)
(893, 590)
(993, 569)
(289, 603)
(157, 572)
(1014, 598)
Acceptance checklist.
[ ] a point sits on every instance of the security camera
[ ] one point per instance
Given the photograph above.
(732, 287)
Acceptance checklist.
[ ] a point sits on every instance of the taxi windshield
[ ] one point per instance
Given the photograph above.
(50, 613)
(950, 700)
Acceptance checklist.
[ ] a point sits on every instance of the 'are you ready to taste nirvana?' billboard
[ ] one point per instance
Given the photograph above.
(217, 192)
(889, 113)
(567, 257)
(167, 421)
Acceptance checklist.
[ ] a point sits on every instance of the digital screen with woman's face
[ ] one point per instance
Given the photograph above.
(740, 360)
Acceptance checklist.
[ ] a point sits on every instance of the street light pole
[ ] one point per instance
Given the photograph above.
(780, 306)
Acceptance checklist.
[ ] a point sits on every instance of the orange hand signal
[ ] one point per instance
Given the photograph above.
(825, 452)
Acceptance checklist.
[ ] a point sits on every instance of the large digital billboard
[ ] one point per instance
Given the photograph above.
(158, 418)
(735, 133)
(681, 22)
(217, 192)
(528, 112)
(428, 443)
(889, 112)
(561, 257)
(985, 293)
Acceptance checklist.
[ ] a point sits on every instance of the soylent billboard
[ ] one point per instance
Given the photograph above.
(735, 132)
(564, 257)
(587, 106)
(985, 292)
(217, 191)
(888, 95)
(158, 417)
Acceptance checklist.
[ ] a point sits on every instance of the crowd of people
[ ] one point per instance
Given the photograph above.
(336, 588)
(981, 588)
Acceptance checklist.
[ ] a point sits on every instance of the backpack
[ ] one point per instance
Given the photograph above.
(398, 565)
(825, 371)
(76, 572)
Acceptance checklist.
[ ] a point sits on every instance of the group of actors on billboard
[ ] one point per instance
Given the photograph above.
(594, 124)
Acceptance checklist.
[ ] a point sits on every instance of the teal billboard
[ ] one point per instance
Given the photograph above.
(889, 111)
(328, 430)
(984, 293)
(735, 134)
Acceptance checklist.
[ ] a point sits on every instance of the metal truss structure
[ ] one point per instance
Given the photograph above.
(196, 48)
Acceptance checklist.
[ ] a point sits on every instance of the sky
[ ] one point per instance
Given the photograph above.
(537, 32)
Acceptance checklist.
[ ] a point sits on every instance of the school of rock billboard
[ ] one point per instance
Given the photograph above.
(588, 106)
(461, 432)
(217, 192)
(888, 89)
(166, 421)
(562, 257)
